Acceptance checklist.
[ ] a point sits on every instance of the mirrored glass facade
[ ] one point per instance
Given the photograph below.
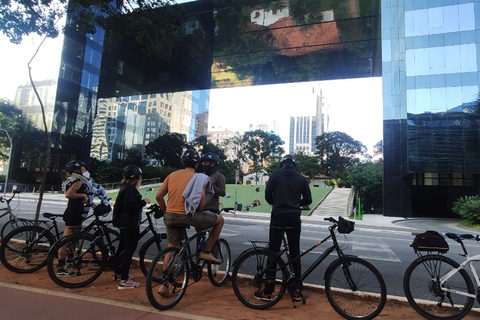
(431, 117)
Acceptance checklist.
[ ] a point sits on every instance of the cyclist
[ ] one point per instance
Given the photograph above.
(127, 216)
(175, 208)
(210, 162)
(76, 191)
(287, 191)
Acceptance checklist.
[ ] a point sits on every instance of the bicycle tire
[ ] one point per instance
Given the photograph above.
(165, 288)
(86, 260)
(148, 252)
(25, 249)
(370, 296)
(218, 273)
(422, 291)
(248, 280)
(12, 224)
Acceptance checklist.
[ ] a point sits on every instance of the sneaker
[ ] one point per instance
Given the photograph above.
(209, 257)
(64, 272)
(117, 276)
(297, 296)
(260, 295)
(128, 284)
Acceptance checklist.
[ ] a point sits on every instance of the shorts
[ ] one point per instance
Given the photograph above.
(202, 220)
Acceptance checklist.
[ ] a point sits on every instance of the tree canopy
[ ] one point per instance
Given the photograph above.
(168, 149)
(21, 18)
(338, 151)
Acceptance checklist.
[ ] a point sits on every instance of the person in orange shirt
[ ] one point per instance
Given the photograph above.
(175, 213)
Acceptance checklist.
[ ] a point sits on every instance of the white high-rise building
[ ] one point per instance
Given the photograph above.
(304, 129)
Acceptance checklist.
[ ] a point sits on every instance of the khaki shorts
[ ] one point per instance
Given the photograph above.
(202, 220)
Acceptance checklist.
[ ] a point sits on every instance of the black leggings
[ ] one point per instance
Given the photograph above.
(128, 245)
(293, 237)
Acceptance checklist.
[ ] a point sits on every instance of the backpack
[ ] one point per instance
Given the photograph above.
(430, 241)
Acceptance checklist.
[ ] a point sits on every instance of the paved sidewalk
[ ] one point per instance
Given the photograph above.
(20, 302)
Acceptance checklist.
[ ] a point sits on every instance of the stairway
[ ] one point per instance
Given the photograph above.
(334, 204)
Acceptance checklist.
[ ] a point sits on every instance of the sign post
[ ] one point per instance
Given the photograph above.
(237, 177)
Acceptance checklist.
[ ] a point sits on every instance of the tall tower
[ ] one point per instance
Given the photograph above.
(304, 129)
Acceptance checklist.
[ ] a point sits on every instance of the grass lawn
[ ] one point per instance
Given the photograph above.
(246, 194)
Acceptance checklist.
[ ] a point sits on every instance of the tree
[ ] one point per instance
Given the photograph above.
(338, 151)
(168, 149)
(21, 18)
(378, 148)
(308, 165)
(367, 178)
(259, 147)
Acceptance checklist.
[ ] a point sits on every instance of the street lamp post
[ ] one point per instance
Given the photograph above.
(9, 159)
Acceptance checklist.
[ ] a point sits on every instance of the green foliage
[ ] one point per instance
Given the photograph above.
(338, 151)
(468, 207)
(367, 178)
(21, 18)
(168, 149)
(308, 165)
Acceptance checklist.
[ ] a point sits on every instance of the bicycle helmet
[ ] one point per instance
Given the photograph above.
(190, 155)
(132, 171)
(288, 158)
(74, 166)
(212, 157)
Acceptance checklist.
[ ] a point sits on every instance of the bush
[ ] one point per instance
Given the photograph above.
(468, 208)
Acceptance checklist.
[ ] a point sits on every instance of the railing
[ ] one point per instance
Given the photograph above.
(58, 188)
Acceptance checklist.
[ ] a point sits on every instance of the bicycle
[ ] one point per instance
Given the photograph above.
(166, 285)
(25, 249)
(354, 287)
(88, 255)
(432, 277)
(13, 221)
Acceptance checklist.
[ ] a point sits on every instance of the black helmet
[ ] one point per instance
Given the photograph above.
(74, 166)
(132, 171)
(190, 155)
(210, 156)
(288, 158)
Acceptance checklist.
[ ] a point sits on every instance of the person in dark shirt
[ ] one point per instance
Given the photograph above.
(127, 216)
(286, 191)
(210, 162)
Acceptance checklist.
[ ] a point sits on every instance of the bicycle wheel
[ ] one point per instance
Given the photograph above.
(429, 297)
(166, 285)
(12, 224)
(25, 249)
(218, 273)
(85, 260)
(249, 277)
(148, 252)
(368, 298)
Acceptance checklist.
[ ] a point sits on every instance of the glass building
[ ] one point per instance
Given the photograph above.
(430, 70)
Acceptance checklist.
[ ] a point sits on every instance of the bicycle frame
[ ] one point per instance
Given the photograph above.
(316, 263)
(463, 265)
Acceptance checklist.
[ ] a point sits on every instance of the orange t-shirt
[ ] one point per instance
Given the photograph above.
(176, 183)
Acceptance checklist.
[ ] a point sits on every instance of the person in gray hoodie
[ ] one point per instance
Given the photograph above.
(286, 191)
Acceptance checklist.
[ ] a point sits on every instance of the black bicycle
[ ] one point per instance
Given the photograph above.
(354, 287)
(166, 284)
(25, 249)
(88, 254)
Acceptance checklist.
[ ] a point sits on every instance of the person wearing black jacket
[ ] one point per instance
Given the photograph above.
(127, 216)
(287, 191)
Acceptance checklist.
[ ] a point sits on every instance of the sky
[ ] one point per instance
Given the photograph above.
(353, 106)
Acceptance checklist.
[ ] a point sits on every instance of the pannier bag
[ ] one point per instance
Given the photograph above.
(430, 241)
